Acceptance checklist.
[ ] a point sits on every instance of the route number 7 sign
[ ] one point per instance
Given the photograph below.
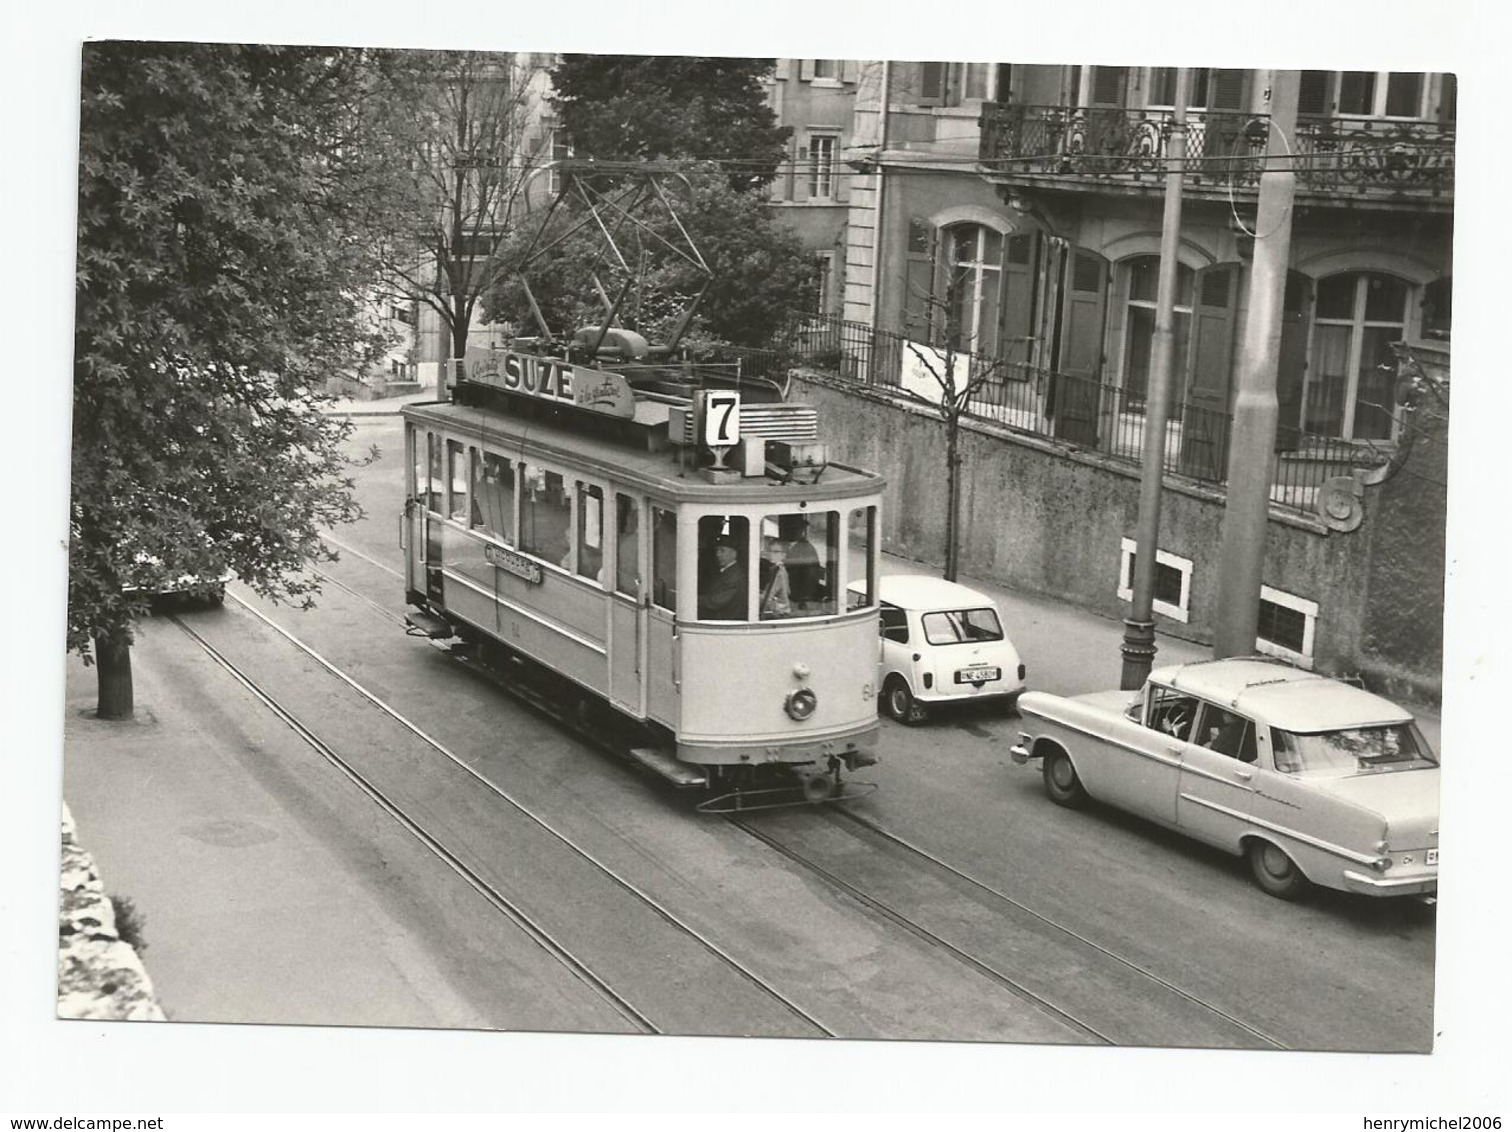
(721, 418)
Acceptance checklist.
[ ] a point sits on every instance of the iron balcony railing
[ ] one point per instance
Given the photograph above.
(1330, 156)
(1082, 412)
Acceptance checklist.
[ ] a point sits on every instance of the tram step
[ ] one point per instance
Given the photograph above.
(428, 624)
(677, 773)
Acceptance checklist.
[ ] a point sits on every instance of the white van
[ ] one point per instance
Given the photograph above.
(942, 643)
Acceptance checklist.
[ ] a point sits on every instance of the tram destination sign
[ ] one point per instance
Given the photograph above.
(552, 379)
(513, 563)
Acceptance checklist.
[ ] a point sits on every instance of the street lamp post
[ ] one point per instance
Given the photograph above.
(1252, 446)
(1139, 627)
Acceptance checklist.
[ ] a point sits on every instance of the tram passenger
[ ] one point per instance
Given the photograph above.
(776, 589)
(805, 575)
(722, 590)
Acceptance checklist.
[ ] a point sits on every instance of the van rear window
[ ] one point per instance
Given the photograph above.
(962, 626)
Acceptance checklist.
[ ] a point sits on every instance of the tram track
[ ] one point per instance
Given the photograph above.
(1141, 985)
(639, 1016)
(1069, 932)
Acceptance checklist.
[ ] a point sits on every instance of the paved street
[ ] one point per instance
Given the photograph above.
(312, 905)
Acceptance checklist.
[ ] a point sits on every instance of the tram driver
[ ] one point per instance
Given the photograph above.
(722, 592)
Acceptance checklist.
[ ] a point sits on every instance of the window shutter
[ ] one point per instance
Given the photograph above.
(1291, 366)
(806, 69)
(1226, 89)
(1204, 433)
(1109, 85)
(847, 70)
(919, 281)
(784, 69)
(1018, 301)
(934, 78)
(1448, 96)
(1312, 95)
(1083, 315)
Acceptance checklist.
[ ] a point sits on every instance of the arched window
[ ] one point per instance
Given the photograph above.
(1142, 274)
(1351, 375)
(972, 284)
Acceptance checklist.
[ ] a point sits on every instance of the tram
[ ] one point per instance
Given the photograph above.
(659, 552)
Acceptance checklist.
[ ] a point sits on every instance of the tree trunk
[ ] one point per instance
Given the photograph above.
(952, 500)
(113, 660)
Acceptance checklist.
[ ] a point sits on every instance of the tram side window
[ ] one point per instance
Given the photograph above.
(429, 480)
(627, 545)
(456, 471)
(861, 562)
(590, 531)
(800, 555)
(545, 514)
(664, 558)
(493, 496)
(724, 586)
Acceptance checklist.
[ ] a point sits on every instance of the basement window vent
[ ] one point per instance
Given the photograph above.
(1287, 625)
(1173, 581)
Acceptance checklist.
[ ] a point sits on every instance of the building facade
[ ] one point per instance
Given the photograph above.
(1013, 213)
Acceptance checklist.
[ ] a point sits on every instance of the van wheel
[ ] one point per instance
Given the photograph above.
(899, 701)
(1274, 871)
(1062, 782)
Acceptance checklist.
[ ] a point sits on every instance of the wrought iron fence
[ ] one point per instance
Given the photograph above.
(1328, 155)
(1082, 412)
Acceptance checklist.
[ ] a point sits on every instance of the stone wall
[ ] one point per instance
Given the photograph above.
(1046, 518)
(100, 975)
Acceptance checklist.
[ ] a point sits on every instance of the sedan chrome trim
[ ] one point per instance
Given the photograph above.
(1272, 827)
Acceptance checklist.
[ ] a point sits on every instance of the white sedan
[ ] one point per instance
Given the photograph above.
(1311, 780)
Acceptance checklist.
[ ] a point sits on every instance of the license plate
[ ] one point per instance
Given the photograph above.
(977, 675)
(1432, 857)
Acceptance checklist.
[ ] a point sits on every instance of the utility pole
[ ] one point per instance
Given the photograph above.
(878, 240)
(1252, 443)
(1139, 627)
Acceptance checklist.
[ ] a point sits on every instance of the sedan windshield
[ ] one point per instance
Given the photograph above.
(1395, 746)
(962, 625)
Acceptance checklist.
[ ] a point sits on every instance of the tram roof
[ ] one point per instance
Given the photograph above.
(624, 461)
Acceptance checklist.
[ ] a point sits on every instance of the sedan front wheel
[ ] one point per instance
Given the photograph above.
(1062, 782)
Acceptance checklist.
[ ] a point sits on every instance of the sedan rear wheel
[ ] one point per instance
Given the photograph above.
(1062, 782)
(1274, 871)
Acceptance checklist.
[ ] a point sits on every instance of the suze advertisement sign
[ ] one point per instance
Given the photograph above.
(552, 379)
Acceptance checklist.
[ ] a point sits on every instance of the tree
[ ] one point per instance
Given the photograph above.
(464, 131)
(643, 107)
(959, 377)
(219, 280)
(759, 268)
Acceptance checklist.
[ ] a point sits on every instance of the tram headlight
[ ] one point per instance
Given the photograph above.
(801, 704)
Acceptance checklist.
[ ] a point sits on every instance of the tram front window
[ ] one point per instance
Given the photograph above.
(723, 573)
(799, 564)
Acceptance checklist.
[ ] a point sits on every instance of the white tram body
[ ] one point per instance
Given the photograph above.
(566, 520)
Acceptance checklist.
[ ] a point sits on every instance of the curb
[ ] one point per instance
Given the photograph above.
(100, 975)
